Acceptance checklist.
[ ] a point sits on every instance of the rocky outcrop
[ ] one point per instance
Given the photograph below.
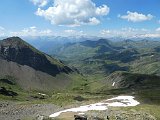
(6, 92)
(80, 117)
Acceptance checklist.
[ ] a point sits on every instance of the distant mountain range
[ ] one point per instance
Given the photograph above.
(50, 44)
(106, 56)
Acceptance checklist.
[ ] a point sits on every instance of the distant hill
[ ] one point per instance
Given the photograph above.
(104, 56)
(90, 56)
(30, 68)
(50, 44)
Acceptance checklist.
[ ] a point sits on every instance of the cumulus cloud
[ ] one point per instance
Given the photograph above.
(73, 12)
(136, 17)
(102, 10)
(40, 3)
(32, 31)
(94, 21)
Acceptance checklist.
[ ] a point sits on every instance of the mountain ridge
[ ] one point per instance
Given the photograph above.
(16, 50)
(32, 69)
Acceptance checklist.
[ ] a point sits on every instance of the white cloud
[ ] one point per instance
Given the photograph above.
(2, 28)
(129, 29)
(71, 32)
(32, 31)
(136, 17)
(2, 31)
(73, 12)
(40, 3)
(127, 32)
(102, 10)
(105, 32)
(151, 35)
(144, 30)
(158, 29)
(94, 21)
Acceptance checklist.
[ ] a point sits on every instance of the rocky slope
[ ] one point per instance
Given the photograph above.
(30, 68)
(16, 111)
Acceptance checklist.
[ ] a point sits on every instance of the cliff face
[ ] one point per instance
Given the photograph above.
(31, 68)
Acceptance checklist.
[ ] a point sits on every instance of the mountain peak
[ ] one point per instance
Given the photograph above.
(16, 50)
(14, 41)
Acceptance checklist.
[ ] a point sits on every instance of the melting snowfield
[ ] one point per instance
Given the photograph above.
(120, 101)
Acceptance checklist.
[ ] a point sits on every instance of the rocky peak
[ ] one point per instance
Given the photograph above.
(16, 50)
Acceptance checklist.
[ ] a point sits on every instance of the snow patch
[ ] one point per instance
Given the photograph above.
(97, 106)
(42, 94)
(120, 101)
(81, 113)
(125, 101)
(113, 84)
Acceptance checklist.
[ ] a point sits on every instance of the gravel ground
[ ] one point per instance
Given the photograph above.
(16, 111)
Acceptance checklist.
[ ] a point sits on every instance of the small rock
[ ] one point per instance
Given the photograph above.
(80, 117)
(39, 117)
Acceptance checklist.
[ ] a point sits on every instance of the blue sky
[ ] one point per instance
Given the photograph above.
(107, 18)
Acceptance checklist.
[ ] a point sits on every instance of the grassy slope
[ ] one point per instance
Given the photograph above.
(149, 99)
(12, 87)
(56, 97)
(145, 63)
(145, 87)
